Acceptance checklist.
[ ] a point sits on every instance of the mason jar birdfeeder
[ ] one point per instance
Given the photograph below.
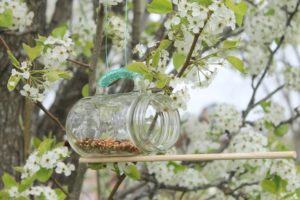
(122, 124)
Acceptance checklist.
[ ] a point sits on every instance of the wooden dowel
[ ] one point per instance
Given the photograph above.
(192, 157)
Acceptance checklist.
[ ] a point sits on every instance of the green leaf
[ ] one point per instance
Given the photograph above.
(298, 193)
(56, 74)
(60, 194)
(8, 180)
(13, 59)
(26, 183)
(85, 90)
(178, 59)
(162, 80)
(160, 7)
(36, 142)
(132, 172)
(13, 82)
(6, 18)
(205, 3)
(229, 44)
(52, 76)
(177, 167)
(44, 175)
(269, 186)
(96, 166)
(239, 10)
(164, 44)
(281, 130)
(141, 68)
(236, 63)
(265, 105)
(19, 169)
(45, 146)
(64, 74)
(33, 52)
(4, 195)
(155, 59)
(60, 31)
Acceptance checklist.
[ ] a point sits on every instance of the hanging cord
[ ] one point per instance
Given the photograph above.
(126, 33)
(106, 32)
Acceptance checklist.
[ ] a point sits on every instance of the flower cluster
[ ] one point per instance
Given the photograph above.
(21, 16)
(170, 174)
(249, 141)
(198, 133)
(289, 5)
(116, 30)
(52, 52)
(224, 119)
(56, 52)
(32, 93)
(49, 160)
(36, 191)
(266, 25)
(292, 78)
(274, 113)
(256, 57)
(286, 169)
(180, 94)
(40, 166)
(192, 17)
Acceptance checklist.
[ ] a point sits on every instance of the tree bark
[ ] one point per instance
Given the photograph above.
(12, 103)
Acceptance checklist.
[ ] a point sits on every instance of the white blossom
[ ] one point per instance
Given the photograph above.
(31, 92)
(292, 78)
(256, 57)
(224, 118)
(49, 160)
(264, 28)
(66, 169)
(22, 16)
(58, 50)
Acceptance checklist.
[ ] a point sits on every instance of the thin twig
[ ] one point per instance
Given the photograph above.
(49, 114)
(79, 63)
(292, 119)
(116, 187)
(4, 43)
(60, 187)
(270, 60)
(190, 54)
(253, 105)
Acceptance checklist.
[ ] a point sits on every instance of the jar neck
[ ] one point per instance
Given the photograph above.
(149, 122)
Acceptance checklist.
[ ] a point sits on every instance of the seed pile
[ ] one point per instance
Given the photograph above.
(106, 146)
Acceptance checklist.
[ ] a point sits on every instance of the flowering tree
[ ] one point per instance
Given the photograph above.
(174, 45)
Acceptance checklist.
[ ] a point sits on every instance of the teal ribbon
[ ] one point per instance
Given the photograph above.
(116, 74)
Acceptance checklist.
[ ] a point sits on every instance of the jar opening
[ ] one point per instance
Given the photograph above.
(153, 125)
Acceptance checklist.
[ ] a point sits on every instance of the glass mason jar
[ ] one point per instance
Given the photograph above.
(122, 124)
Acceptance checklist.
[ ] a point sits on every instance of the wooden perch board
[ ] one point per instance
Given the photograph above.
(192, 157)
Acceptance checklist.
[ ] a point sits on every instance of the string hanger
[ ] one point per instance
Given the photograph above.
(126, 33)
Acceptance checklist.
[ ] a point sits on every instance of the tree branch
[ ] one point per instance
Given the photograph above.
(116, 187)
(273, 52)
(60, 187)
(79, 63)
(136, 24)
(190, 54)
(253, 105)
(49, 114)
(97, 50)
